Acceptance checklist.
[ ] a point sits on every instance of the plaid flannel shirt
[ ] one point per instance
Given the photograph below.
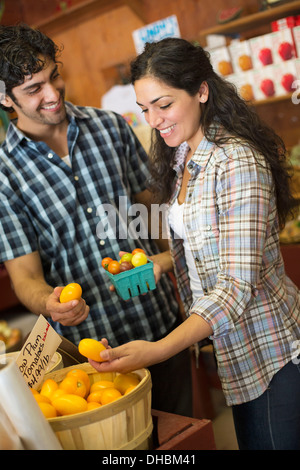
(231, 223)
(48, 206)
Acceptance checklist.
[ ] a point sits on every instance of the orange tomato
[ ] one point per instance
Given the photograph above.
(81, 375)
(41, 398)
(105, 262)
(72, 291)
(138, 250)
(69, 404)
(48, 410)
(33, 391)
(73, 385)
(58, 393)
(93, 405)
(129, 389)
(91, 349)
(109, 395)
(114, 267)
(94, 397)
(48, 387)
(101, 384)
(123, 381)
(139, 259)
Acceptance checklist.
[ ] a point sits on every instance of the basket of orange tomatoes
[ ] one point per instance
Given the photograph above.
(90, 410)
(132, 275)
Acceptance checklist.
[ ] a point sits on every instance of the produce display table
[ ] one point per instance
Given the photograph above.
(175, 432)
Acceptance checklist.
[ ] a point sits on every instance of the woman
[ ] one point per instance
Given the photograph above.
(222, 174)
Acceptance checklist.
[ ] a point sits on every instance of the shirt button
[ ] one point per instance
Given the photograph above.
(50, 155)
(76, 178)
(102, 242)
(89, 210)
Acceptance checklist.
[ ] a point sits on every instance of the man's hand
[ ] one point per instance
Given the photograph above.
(69, 313)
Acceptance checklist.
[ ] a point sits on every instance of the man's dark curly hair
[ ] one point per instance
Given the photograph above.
(23, 51)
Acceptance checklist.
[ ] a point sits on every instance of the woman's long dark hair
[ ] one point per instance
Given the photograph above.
(182, 65)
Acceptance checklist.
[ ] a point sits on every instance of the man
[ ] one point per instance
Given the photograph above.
(60, 164)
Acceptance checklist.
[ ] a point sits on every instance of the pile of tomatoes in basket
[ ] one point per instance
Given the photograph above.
(128, 261)
(75, 393)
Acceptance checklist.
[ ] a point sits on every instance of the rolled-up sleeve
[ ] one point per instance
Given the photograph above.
(242, 191)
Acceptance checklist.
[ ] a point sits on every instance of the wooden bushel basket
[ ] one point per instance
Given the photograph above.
(124, 424)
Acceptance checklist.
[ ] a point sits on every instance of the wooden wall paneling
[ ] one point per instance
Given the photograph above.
(93, 47)
(13, 12)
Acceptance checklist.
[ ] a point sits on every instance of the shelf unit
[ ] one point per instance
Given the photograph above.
(254, 20)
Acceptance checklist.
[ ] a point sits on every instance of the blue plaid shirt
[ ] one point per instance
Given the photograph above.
(51, 207)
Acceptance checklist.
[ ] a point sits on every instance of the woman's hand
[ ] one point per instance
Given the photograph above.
(128, 357)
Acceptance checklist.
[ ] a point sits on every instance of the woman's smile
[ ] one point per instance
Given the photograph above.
(171, 111)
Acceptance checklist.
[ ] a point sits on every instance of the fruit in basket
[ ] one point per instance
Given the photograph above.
(139, 259)
(137, 250)
(126, 257)
(48, 388)
(125, 266)
(41, 398)
(91, 348)
(71, 291)
(123, 381)
(105, 262)
(73, 385)
(114, 267)
(48, 410)
(69, 404)
(101, 384)
(102, 392)
(81, 375)
(58, 393)
(93, 405)
(95, 397)
(108, 395)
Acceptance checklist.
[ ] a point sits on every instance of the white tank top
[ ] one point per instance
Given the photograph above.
(176, 223)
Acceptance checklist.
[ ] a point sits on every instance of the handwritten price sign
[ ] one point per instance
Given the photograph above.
(37, 352)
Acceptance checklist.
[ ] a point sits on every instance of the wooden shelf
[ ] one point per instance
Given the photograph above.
(255, 20)
(276, 99)
(84, 11)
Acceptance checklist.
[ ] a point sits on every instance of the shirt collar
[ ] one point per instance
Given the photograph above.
(202, 153)
(14, 136)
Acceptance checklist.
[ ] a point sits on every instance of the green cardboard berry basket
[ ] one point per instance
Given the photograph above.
(134, 282)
